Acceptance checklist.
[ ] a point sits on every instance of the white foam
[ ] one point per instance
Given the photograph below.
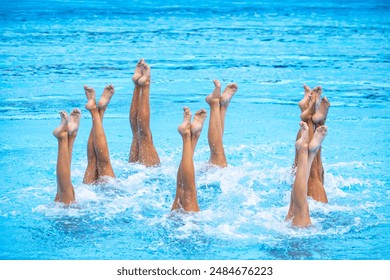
(248, 201)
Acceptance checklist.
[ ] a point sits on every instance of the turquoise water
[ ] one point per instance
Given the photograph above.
(50, 49)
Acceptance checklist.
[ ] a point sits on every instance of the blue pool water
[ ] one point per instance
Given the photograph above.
(50, 49)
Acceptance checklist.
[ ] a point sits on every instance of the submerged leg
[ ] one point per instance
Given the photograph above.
(217, 152)
(147, 152)
(65, 190)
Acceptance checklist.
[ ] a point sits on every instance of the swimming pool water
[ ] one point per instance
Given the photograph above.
(50, 49)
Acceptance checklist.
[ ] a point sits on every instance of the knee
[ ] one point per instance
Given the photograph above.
(142, 114)
(133, 122)
(144, 132)
(103, 160)
(133, 118)
(104, 163)
(139, 121)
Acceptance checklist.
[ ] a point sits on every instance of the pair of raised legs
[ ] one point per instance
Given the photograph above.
(99, 164)
(66, 134)
(186, 196)
(306, 152)
(218, 107)
(314, 111)
(142, 148)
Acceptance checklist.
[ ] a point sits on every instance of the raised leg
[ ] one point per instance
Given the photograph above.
(304, 103)
(91, 173)
(73, 127)
(179, 189)
(316, 181)
(314, 111)
(147, 152)
(224, 101)
(133, 115)
(105, 99)
(299, 208)
(319, 118)
(307, 111)
(65, 190)
(217, 151)
(317, 92)
(315, 174)
(307, 114)
(99, 137)
(179, 178)
(197, 126)
(196, 129)
(315, 144)
(186, 196)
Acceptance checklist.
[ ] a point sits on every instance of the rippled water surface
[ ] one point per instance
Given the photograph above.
(50, 49)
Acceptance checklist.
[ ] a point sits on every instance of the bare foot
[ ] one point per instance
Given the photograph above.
(197, 124)
(216, 94)
(74, 121)
(185, 128)
(90, 93)
(318, 137)
(304, 103)
(309, 112)
(62, 130)
(138, 71)
(108, 92)
(145, 79)
(227, 94)
(322, 112)
(303, 141)
(317, 91)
